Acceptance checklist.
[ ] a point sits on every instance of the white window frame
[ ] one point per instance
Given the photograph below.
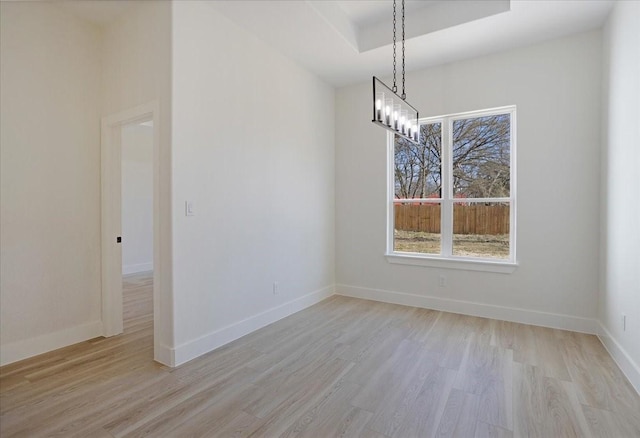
(446, 259)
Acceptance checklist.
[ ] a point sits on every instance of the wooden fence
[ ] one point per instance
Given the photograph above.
(467, 219)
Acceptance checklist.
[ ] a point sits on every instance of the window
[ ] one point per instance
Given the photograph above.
(452, 197)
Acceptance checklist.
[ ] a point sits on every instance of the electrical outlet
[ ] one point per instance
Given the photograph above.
(442, 281)
(275, 288)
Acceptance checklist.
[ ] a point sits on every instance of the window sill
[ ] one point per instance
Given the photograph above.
(500, 267)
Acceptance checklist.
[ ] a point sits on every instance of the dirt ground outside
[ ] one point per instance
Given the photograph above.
(464, 245)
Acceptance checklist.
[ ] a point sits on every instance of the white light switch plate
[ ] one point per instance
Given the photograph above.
(189, 209)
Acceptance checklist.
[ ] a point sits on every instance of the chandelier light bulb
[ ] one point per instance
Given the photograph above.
(379, 103)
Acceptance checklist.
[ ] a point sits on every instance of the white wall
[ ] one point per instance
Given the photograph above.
(50, 178)
(620, 263)
(556, 87)
(253, 148)
(137, 70)
(137, 198)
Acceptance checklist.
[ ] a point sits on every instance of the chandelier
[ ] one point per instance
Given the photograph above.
(390, 110)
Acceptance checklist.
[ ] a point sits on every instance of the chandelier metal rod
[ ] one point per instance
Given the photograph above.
(404, 95)
(395, 88)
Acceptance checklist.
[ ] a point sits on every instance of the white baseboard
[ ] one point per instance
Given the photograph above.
(163, 354)
(620, 356)
(524, 316)
(190, 350)
(138, 267)
(19, 350)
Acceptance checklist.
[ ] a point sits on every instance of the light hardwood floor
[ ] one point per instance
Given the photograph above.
(344, 367)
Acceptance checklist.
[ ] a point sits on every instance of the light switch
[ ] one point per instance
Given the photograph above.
(188, 208)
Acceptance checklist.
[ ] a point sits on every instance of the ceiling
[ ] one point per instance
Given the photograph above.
(348, 41)
(367, 12)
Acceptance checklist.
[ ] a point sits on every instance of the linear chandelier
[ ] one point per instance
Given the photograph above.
(390, 110)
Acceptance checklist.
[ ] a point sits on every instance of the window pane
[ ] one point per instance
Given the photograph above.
(417, 227)
(481, 230)
(481, 157)
(417, 167)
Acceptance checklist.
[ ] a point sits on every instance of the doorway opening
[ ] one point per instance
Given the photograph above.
(136, 140)
(130, 219)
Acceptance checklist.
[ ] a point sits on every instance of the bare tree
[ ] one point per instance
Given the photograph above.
(481, 160)
(417, 167)
(481, 157)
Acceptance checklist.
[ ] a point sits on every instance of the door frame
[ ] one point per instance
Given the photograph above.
(111, 224)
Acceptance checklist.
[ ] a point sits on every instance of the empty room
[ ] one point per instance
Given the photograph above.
(320, 218)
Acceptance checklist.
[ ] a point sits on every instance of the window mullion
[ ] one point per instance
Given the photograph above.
(512, 187)
(390, 190)
(446, 218)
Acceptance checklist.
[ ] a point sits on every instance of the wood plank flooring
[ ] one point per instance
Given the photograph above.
(344, 367)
